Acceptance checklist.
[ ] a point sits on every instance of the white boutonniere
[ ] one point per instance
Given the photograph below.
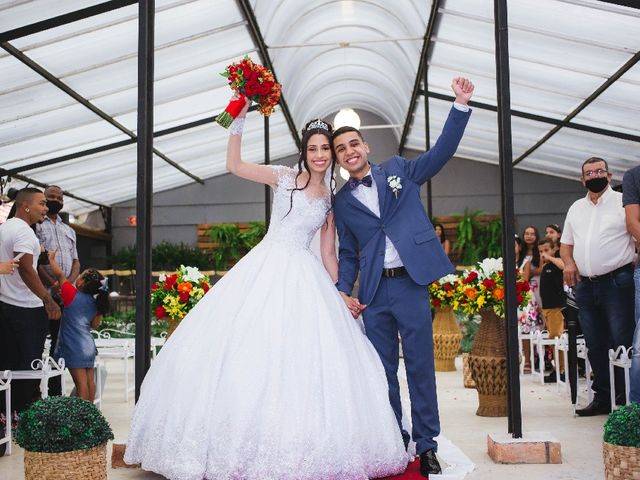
(395, 184)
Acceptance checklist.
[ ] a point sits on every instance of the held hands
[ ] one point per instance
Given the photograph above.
(463, 89)
(354, 306)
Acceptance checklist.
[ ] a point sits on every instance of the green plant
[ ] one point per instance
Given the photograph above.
(476, 240)
(62, 424)
(469, 324)
(230, 247)
(623, 426)
(164, 256)
(252, 236)
(126, 322)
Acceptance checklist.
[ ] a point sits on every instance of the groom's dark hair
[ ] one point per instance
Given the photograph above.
(346, 129)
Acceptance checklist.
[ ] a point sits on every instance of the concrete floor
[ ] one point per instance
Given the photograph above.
(543, 409)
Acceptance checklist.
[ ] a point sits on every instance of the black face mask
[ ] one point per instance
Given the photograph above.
(54, 206)
(596, 185)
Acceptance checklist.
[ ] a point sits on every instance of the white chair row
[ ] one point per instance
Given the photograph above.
(5, 386)
(619, 358)
(118, 345)
(539, 340)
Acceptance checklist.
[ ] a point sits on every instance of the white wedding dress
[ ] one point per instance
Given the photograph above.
(269, 377)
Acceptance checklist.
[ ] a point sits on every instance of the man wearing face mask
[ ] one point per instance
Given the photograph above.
(598, 254)
(55, 235)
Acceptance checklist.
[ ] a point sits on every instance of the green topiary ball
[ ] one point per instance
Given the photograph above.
(623, 426)
(62, 424)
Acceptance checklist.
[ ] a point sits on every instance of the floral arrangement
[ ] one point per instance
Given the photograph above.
(254, 82)
(174, 295)
(623, 426)
(443, 292)
(483, 287)
(62, 424)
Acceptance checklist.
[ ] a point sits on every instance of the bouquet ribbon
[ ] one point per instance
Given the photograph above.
(230, 113)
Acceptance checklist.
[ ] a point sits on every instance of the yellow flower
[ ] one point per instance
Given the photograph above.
(480, 300)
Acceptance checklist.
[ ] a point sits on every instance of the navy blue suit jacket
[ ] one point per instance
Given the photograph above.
(402, 219)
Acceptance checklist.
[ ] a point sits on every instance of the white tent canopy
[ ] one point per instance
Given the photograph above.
(328, 54)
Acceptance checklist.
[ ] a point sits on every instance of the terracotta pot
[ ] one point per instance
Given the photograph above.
(446, 339)
(488, 362)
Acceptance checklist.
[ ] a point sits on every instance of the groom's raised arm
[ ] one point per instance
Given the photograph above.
(431, 162)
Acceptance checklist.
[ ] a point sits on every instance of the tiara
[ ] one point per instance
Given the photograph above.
(318, 124)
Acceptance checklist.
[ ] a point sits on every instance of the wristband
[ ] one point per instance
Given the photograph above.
(237, 126)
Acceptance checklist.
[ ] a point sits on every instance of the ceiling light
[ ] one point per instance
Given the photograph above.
(346, 117)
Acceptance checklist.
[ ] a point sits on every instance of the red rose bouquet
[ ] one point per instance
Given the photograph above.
(251, 81)
(172, 296)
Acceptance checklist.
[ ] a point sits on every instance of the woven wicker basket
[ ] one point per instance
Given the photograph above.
(466, 372)
(173, 324)
(488, 362)
(446, 339)
(89, 464)
(621, 463)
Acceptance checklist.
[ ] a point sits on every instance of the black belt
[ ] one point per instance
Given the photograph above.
(394, 272)
(611, 274)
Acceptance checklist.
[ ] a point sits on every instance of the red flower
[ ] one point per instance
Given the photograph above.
(519, 298)
(436, 302)
(161, 312)
(488, 283)
(251, 88)
(184, 297)
(171, 280)
(205, 287)
(154, 286)
(447, 287)
(470, 278)
(167, 286)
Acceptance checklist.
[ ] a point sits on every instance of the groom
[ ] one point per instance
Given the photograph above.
(386, 235)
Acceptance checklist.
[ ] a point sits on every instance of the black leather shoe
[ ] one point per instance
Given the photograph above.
(593, 409)
(429, 463)
(552, 378)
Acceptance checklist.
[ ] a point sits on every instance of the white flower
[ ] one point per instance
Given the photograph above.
(191, 274)
(489, 266)
(448, 279)
(162, 277)
(395, 184)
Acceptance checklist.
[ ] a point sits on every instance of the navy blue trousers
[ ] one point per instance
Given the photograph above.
(402, 306)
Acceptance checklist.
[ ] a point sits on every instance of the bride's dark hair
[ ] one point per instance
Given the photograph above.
(313, 127)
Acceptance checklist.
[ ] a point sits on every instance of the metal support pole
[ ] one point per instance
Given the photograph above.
(508, 233)
(267, 161)
(427, 134)
(144, 192)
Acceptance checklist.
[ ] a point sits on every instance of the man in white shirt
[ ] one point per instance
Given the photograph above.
(598, 254)
(25, 304)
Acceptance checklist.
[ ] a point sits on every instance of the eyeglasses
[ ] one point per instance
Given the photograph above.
(597, 173)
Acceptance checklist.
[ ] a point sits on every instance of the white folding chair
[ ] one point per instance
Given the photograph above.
(620, 358)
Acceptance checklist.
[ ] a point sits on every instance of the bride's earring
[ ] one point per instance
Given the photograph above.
(27, 210)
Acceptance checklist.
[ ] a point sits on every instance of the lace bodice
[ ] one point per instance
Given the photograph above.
(307, 214)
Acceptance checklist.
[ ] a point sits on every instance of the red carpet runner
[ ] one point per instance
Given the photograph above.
(412, 472)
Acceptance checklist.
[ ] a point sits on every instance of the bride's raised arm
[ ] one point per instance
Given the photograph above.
(235, 164)
(328, 247)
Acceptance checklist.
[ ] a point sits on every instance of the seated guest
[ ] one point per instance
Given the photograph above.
(446, 244)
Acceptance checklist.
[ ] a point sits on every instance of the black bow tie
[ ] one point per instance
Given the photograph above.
(366, 181)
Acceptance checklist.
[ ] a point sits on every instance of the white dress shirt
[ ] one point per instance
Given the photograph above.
(598, 233)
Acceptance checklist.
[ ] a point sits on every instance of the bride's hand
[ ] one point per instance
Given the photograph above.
(247, 104)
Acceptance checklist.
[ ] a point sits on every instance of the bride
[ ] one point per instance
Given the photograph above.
(269, 376)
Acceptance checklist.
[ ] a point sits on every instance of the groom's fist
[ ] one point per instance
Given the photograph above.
(463, 89)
